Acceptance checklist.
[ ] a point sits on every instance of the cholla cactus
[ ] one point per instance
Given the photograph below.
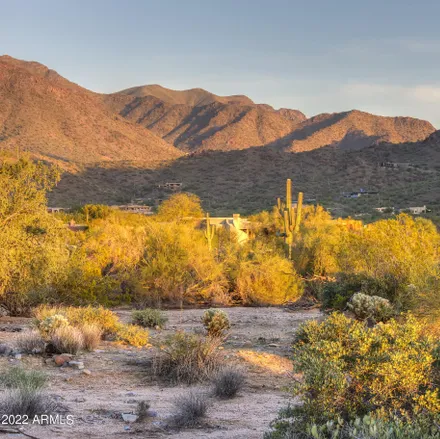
(216, 322)
(370, 307)
(51, 323)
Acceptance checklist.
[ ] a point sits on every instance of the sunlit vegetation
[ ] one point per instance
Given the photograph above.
(373, 364)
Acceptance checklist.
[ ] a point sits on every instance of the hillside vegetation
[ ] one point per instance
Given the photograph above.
(230, 151)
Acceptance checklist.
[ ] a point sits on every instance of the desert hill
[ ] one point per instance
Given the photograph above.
(222, 124)
(111, 146)
(194, 97)
(54, 119)
(354, 130)
(196, 120)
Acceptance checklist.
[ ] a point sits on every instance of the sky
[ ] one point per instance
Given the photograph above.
(380, 56)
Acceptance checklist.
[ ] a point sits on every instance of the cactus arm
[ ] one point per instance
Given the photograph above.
(209, 232)
(298, 211)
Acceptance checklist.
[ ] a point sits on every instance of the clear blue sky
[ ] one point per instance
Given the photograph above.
(381, 56)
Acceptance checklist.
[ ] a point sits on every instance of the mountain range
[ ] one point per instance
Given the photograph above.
(114, 147)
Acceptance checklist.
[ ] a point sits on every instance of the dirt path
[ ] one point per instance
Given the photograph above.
(121, 376)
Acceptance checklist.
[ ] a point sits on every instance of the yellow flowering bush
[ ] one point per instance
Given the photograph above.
(133, 335)
(349, 370)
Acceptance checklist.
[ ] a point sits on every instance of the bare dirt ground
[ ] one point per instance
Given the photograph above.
(121, 376)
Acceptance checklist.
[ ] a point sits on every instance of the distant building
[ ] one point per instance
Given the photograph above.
(171, 186)
(135, 208)
(241, 227)
(58, 209)
(384, 209)
(415, 210)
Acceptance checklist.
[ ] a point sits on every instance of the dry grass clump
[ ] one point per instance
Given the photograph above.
(30, 342)
(189, 410)
(26, 402)
(18, 378)
(68, 339)
(92, 335)
(24, 394)
(228, 382)
(188, 358)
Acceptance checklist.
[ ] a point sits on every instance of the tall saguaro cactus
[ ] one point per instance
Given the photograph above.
(291, 221)
(209, 232)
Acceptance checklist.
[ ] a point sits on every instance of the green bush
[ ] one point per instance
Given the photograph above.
(350, 370)
(289, 425)
(149, 318)
(216, 322)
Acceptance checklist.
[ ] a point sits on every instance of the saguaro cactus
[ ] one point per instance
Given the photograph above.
(209, 232)
(291, 221)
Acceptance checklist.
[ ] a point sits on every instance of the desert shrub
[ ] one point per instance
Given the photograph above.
(24, 394)
(180, 206)
(190, 409)
(19, 378)
(400, 254)
(50, 324)
(228, 382)
(67, 339)
(23, 401)
(30, 342)
(188, 358)
(149, 318)
(316, 250)
(350, 370)
(287, 426)
(267, 278)
(95, 211)
(92, 335)
(177, 266)
(216, 322)
(337, 292)
(32, 242)
(104, 318)
(374, 308)
(133, 335)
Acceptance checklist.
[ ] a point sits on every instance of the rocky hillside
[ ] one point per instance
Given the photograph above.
(353, 130)
(196, 120)
(54, 119)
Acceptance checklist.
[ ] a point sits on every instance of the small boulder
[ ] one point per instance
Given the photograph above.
(61, 360)
(86, 372)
